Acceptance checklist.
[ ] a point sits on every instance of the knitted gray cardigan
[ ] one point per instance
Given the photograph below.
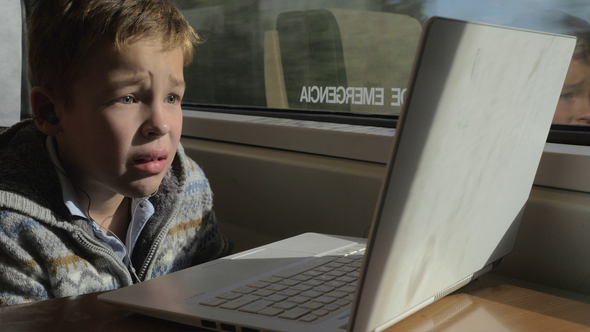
(45, 252)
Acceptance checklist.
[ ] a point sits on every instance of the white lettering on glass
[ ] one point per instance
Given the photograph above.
(343, 94)
(350, 95)
(397, 96)
(379, 96)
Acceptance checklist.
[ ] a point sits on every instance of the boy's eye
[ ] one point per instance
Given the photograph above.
(171, 99)
(567, 96)
(127, 100)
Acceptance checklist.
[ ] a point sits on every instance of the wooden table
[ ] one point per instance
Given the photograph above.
(491, 303)
(496, 304)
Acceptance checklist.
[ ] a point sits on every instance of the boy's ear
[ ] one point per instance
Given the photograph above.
(43, 105)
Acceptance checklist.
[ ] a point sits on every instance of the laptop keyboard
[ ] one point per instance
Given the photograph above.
(315, 289)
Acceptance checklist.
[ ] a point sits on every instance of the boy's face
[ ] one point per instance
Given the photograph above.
(120, 133)
(574, 102)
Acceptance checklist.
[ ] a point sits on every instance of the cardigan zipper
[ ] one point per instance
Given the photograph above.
(152, 251)
(161, 235)
(108, 252)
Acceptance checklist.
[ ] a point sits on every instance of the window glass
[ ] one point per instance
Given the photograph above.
(351, 57)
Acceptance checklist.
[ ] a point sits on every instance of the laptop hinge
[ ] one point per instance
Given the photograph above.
(453, 288)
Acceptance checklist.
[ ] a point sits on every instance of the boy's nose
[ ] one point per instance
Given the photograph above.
(157, 123)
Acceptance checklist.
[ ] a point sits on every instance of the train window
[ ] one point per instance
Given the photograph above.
(350, 60)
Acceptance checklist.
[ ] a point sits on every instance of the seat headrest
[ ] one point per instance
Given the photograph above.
(11, 60)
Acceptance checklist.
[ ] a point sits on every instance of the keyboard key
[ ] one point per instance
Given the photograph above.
(285, 305)
(347, 289)
(213, 302)
(325, 278)
(324, 269)
(301, 277)
(324, 299)
(276, 298)
(344, 260)
(229, 296)
(294, 313)
(244, 290)
(347, 269)
(337, 294)
(334, 265)
(276, 287)
(271, 280)
(237, 303)
(298, 299)
(258, 284)
(335, 283)
(349, 297)
(289, 292)
(301, 288)
(270, 311)
(320, 313)
(331, 307)
(342, 302)
(312, 273)
(263, 292)
(257, 306)
(324, 289)
(289, 282)
(288, 273)
(312, 294)
(308, 318)
(336, 273)
(313, 282)
(312, 305)
(346, 279)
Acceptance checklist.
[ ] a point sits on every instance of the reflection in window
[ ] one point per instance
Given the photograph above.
(574, 103)
(343, 60)
(351, 57)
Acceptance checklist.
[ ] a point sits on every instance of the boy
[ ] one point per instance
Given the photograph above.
(97, 185)
(574, 102)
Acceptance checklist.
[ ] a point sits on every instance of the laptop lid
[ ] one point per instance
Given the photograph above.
(466, 150)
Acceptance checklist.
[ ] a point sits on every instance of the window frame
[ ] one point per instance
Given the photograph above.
(563, 165)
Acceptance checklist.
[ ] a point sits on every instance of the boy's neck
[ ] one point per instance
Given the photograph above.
(112, 213)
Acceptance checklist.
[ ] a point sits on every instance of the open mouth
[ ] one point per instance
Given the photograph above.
(147, 160)
(151, 163)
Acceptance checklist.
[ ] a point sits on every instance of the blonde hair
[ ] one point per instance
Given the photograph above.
(62, 33)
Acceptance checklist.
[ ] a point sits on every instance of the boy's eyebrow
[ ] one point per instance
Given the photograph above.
(122, 83)
(573, 85)
(136, 80)
(177, 82)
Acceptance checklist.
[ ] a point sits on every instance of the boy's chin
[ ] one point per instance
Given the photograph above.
(143, 188)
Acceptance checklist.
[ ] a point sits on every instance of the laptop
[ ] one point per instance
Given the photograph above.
(466, 149)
